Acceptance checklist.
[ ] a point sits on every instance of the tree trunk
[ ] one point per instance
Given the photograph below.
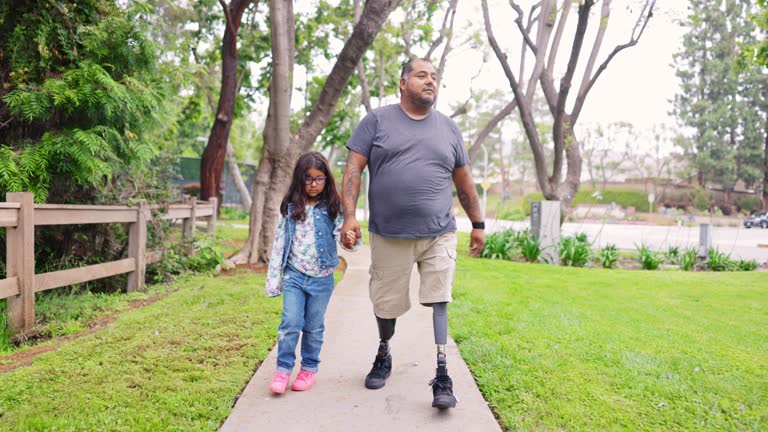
(280, 149)
(212, 162)
(237, 178)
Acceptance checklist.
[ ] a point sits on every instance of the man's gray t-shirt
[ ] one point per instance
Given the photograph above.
(410, 164)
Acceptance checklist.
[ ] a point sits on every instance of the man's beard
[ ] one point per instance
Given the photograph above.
(424, 101)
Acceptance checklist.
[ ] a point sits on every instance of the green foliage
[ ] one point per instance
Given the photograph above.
(511, 215)
(721, 103)
(719, 261)
(624, 198)
(688, 258)
(574, 251)
(83, 97)
(578, 349)
(496, 246)
(745, 265)
(750, 203)
(672, 255)
(608, 256)
(701, 199)
(528, 245)
(649, 260)
(205, 257)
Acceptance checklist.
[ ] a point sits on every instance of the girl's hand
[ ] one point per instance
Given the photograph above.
(351, 237)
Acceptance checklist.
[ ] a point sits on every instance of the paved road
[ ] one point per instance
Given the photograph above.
(739, 242)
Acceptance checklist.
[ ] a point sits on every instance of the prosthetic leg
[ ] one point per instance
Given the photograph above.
(382, 364)
(442, 386)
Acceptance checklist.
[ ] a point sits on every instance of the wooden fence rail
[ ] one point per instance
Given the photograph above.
(19, 215)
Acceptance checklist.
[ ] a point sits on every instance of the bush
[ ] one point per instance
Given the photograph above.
(744, 265)
(688, 258)
(234, 213)
(648, 258)
(701, 199)
(511, 215)
(672, 255)
(749, 204)
(528, 245)
(608, 255)
(719, 261)
(624, 198)
(574, 251)
(496, 247)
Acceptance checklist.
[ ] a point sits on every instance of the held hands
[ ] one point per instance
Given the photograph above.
(350, 232)
(476, 242)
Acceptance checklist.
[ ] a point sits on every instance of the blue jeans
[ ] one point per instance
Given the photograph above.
(305, 300)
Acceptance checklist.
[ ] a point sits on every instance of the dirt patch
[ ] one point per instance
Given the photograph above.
(39, 335)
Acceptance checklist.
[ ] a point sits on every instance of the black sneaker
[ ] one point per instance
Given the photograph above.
(442, 390)
(377, 377)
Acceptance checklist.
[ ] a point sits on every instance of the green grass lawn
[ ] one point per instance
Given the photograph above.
(559, 348)
(177, 364)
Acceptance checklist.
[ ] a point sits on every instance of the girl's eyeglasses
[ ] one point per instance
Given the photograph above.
(319, 180)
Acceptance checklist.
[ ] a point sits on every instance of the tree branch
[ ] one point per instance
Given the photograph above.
(440, 38)
(565, 87)
(558, 36)
(489, 127)
(519, 22)
(525, 114)
(637, 32)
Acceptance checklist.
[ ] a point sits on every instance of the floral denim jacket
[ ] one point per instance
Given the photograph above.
(309, 246)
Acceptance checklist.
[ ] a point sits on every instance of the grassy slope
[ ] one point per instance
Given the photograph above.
(587, 349)
(177, 364)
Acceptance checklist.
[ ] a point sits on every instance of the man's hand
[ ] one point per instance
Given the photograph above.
(476, 242)
(350, 232)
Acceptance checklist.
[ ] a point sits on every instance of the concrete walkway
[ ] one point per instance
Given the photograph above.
(339, 402)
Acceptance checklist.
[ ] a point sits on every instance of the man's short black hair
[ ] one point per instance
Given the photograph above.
(408, 65)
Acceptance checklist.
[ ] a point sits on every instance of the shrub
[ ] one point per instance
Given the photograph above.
(496, 247)
(672, 255)
(574, 251)
(511, 215)
(719, 261)
(648, 258)
(746, 265)
(701, 199)
(749, 203)
(233, 213)
(528, 245)
(688, 258)
(608, 255)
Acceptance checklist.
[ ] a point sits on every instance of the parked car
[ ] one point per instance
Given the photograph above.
(757, 219)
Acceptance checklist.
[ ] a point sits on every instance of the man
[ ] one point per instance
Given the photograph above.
(412, 152)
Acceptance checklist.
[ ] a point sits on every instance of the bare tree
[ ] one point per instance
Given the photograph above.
(281, 149)
(545, 47)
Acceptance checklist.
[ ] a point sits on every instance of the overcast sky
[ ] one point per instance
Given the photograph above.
(637, 86)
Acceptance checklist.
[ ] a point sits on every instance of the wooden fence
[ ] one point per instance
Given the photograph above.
(19, 215)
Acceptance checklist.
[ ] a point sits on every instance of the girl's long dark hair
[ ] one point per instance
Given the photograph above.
(298, 197)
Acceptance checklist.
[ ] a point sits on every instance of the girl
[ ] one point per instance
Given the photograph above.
(304, 257)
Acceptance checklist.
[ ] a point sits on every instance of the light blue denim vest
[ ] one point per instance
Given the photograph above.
(324, 241)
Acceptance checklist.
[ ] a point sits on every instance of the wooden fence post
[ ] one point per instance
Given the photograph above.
(20, 262)
(212, 220)
(188, 226)
(137, 248)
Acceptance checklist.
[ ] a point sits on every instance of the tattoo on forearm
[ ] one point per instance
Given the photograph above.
(470, 202)
(351, 189)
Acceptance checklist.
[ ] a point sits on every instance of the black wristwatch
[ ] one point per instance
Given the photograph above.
(478, 225)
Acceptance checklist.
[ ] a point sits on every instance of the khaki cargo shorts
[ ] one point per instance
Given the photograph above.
(392, 261)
